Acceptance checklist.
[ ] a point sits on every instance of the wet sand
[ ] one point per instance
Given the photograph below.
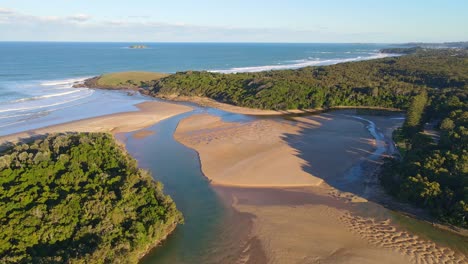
(148, 114)
(253, 166)
(143, 134)
(273, 153)
(303, 225)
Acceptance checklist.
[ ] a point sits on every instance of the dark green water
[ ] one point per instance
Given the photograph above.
(178, 167)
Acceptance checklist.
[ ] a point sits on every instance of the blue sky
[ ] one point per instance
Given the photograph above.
(235, 21)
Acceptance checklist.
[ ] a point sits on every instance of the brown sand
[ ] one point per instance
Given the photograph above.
(314, 224)
(143, 133)
(302, 225)
(268, 153)
(149, 113)
(204, 101)
(242, 154)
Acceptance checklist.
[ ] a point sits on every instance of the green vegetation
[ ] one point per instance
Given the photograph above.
(402, 50)
(415, 113)
(388, 82)
(128, 79)
(79, 198)
(431, 174)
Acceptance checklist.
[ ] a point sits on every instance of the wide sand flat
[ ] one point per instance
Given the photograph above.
(272, 153)
(308, 225)
(254, 167)
(303, 225)
(149, 113)
(248, 154)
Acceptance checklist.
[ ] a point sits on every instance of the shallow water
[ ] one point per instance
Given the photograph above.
(204, 237)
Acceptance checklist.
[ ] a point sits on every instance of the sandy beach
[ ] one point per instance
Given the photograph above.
(207, 102)
(287, 175)
(148, 114)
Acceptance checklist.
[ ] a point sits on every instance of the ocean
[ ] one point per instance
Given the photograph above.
(36, 78)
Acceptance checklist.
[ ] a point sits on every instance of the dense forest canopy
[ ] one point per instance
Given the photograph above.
(388, 82)
(432, 171)
(79, 198)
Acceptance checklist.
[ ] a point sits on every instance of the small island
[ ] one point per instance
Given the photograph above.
(79, 198)
(138, 47)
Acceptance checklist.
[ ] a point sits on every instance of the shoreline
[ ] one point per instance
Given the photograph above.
(91, 83)
(148, 113)
(208, 102)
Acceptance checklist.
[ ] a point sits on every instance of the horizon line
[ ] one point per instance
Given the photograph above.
(221, 42)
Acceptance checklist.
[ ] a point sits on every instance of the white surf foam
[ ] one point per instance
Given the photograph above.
(47, 96)
(70, 81)
(40, 104)
(302, 63)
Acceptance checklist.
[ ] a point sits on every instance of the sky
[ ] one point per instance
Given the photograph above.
(377, 21)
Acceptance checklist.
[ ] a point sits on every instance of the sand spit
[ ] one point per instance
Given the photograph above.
(245, 154)
(274, 152)
(208, 102)
(149, 113)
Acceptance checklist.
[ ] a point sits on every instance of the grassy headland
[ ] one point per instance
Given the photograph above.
(125, 80)
(79, 198)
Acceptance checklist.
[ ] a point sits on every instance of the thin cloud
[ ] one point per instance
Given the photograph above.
(82, 27)
(5, 11)
(48, 18)
(79, 18)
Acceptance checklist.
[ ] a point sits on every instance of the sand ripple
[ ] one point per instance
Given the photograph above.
(383, 234)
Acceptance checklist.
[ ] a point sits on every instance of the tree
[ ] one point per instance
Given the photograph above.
(78, 198)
